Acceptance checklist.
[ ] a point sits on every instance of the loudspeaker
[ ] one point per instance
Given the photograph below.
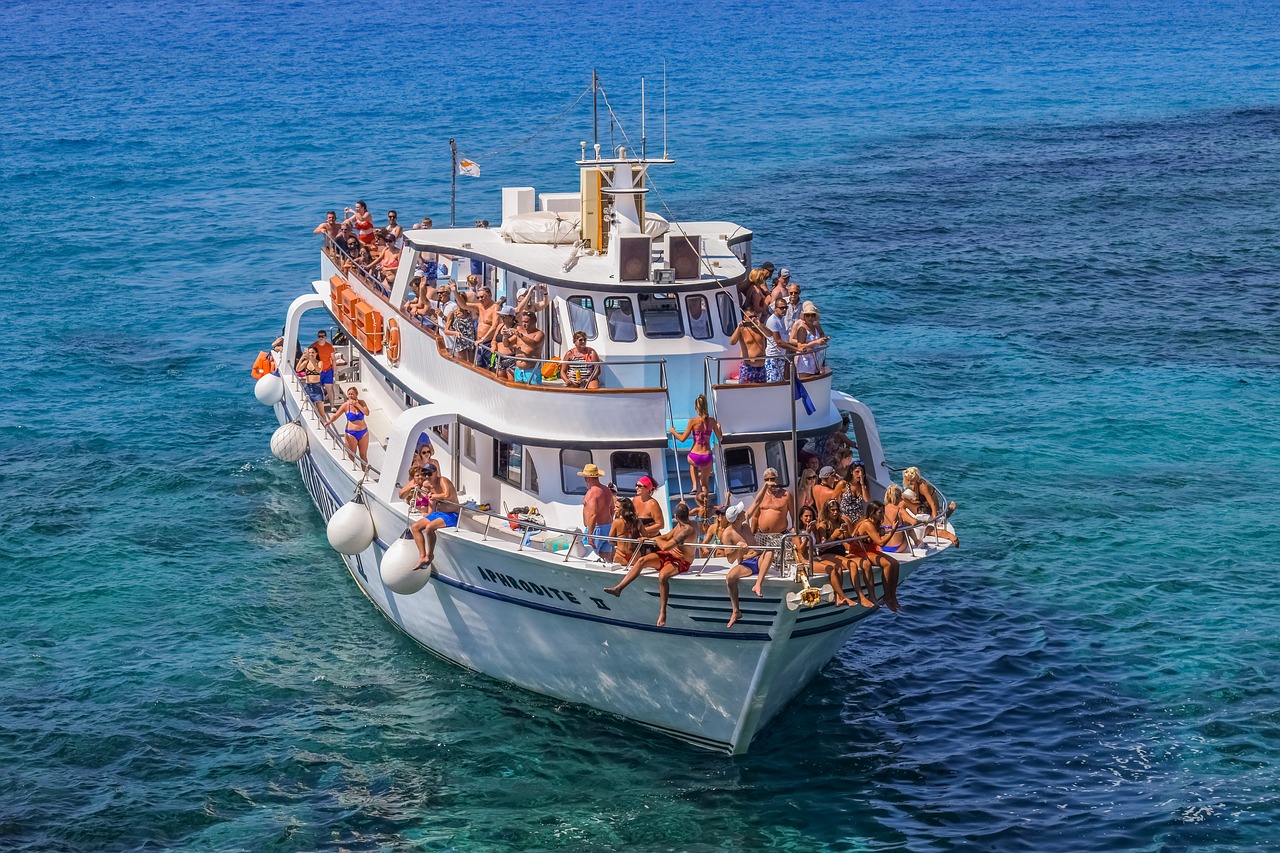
(634, 258)
(684, 255)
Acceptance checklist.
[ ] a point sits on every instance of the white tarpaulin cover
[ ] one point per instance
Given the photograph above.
(542, 226)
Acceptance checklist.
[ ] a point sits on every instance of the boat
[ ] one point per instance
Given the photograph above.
(510, 592)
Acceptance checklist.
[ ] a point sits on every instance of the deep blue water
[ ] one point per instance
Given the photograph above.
(1045, 235)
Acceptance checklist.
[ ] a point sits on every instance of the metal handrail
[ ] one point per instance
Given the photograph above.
(366, 274)
(789, 356)
(328, 429)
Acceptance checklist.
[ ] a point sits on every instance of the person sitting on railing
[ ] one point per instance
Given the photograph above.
(703, 427)
(928, 498)
(331, 227)
(750, 336)
(867, 550)
(811, 342)
(674, 556)
(828, 532)
(357, 434)
(444, 503)
(625, 526)
(501, 342)
(388, 260)
(581, 364)
(770, 516)
(528, 342)
(744, 557)
(361, 221)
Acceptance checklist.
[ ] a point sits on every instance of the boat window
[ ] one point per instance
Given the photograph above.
(628, 466)
(775, 456)
(740, 468)
(469, 443)
(531, 474)
(728, 313)
(555, 323)
(442, 432)
(507, 458)
(619, 318)
(571, 462)
(699, 316)
(660, 313)
(582, 316)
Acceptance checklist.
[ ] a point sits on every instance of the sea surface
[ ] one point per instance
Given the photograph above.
(1046, 237)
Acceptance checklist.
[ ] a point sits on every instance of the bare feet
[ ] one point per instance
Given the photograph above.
(758, 591)
(737, 614)
(662, 621)
(893, 605)
(424, 564)
(866, 602)
(951, 507)
(613, 590)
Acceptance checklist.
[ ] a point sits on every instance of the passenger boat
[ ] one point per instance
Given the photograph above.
(505, 595)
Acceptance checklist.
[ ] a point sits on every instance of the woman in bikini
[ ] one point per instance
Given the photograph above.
(830, 557)
(417, 494)
(625, 526)
(357, 436)
(868, 549)
(898, 521)
(927, 498)
(702, 428)
(309, 369)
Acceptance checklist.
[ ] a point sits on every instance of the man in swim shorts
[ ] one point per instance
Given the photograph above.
(673, 557)
(324, 349)
(444, 503)
(770, 516)
(751, 339)
(597, 510)
(746, 558)
(528, 342)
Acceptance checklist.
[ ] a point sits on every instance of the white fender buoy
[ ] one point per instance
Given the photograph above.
(350, 529)
(289, 442)
(269, 389)
(398, 568)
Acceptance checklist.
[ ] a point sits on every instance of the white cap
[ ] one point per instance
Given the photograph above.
(733, 512)
(784, 273)
(520, 294)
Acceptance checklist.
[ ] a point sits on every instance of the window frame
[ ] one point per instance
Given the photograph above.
(665, 296)
(777, 449)
(594, 332)
(728, 308)
(750, 466)
(629, 491)
(706, 316)
(505, 476)
(564, 472)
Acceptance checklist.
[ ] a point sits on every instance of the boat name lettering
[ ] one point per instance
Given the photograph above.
(527, 586)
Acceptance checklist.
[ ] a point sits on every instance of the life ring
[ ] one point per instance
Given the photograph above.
(263, 365)
(393, 341)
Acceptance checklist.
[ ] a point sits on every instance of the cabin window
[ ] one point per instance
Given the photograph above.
(555, 324)
(469, 443)
(442, 432)
(571, 462)
(775, 456)
(582, 316)
(740, 469)
(531, 474)
(627, 467)
(728, 313)
(507, 462)
(699, 316)
(619, 318)
(660, 313)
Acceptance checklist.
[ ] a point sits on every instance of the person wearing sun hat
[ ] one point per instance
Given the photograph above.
(597, 509)
(810, 341)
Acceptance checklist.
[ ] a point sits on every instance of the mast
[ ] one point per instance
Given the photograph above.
(453, 180)
(643, 146)
(595, 107)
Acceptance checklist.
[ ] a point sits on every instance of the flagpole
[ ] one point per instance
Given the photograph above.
(795, 452)
(453, 180)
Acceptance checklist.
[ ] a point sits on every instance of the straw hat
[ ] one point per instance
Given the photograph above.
(590, 470)
(809, 308)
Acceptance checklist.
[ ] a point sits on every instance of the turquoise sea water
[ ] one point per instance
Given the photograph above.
(1045, 236)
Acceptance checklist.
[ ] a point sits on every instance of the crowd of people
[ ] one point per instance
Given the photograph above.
(777, 327)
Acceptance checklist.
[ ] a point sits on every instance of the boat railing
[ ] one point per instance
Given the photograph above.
(723, 370)
(366, 275)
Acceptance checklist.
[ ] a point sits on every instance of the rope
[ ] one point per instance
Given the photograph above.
(504, 151)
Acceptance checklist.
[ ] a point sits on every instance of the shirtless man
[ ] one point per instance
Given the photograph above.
(673, 557)
(746, 560)
(528, 342)
(828, 488)
(486, 321)
(444, 505)
(502, 342)
(770, 515)
(597, 510)
(331, 227)
(648, 510)
(751, 338)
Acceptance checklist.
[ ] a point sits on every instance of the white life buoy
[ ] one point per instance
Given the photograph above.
(399, 568)
(269, 389)
(289, 442)
(350, 529)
